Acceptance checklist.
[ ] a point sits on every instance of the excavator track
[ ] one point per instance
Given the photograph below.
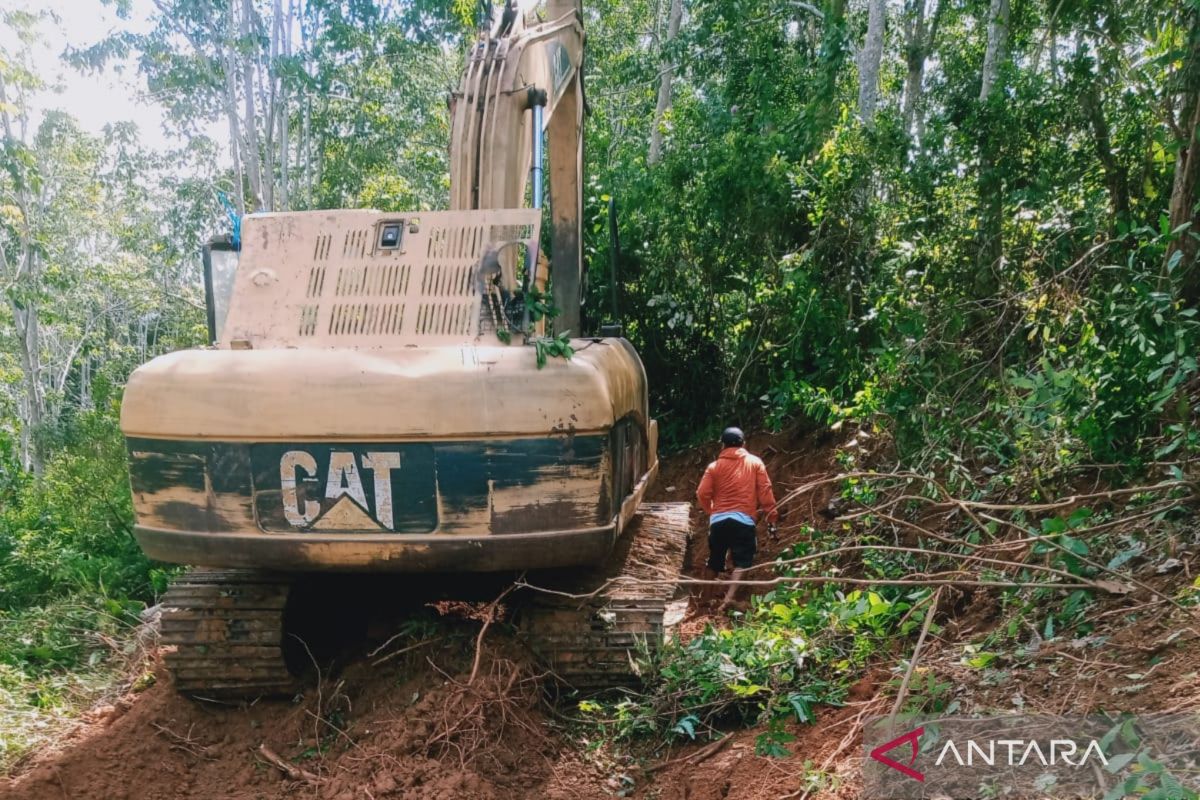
(223, 631)
(593, 643)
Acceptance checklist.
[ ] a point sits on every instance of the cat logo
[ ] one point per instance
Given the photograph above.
(344, 501)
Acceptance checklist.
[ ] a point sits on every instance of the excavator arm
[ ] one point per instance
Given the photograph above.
(522, 87)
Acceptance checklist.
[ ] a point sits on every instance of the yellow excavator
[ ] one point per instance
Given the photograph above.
(371, 403)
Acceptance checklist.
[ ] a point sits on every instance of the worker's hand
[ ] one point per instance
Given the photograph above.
(773, 532)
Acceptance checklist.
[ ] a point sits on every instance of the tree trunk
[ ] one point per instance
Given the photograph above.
(1184, 199)
(268, 103)
(306, 152)
(991, 184)
(914, 59)
(919, 43)
(1114, 176)
(831, 58)
(23, 304)
(664, 86)
(231, 113)
(285, 24)
(304, 99)
(251, 126)
(997, 46)
(869, 59)
(29, 345)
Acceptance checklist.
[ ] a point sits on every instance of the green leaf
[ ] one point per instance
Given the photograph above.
(1121, 790)
(1051, 525)
(801, 706)
(687, 726)
(1118, 762)
(981, 660)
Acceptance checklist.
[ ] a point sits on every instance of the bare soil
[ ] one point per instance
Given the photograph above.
(417, 726)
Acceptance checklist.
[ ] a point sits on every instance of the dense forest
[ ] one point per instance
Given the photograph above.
(967, 228)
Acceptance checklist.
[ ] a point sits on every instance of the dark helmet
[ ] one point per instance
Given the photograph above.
(733, 437)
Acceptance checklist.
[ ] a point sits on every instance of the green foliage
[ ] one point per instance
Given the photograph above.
(552, 347)
(1146, 777)
(55, 661)
(796, 649)
(795, 261)
(71, 532)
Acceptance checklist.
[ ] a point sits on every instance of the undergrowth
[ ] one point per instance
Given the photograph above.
(798, 647)
(1033, 569)
(57, 660)
(72, 581)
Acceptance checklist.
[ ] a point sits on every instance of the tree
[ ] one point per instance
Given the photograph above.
(919, 40)
(222, 59)
(1183, 117)
(98, 249)
(869, 59)
(666, 76)
(991, 179)
(20, 254)
(997, 47)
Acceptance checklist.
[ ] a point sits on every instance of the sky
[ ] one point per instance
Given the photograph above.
(116, 94)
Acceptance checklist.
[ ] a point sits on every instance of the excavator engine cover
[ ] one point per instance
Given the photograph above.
(359, 412)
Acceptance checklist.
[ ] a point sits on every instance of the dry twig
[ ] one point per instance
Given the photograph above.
(912, 662)
(703, 753)
(184, 743)
(291, 770)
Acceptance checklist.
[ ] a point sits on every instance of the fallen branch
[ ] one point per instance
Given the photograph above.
(401, 651)
(1105, 586)
(950, 501)
(912, 662)
(1093, 564)
(185, 743)
(703, 753)
(291, 770)
(802, 579)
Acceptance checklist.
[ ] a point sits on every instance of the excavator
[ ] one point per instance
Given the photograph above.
(373, 403)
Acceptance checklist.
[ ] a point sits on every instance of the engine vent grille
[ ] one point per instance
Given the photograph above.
(366, 319)
(321, 250)
(295, 289)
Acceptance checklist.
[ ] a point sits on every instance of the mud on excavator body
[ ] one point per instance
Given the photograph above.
(359, 414)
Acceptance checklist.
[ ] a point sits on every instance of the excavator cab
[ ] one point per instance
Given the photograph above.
(220, 258)
(368, 404)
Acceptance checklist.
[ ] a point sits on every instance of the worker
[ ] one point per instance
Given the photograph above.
(735, 492)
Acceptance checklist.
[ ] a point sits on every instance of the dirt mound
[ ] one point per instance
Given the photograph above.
(415, 726)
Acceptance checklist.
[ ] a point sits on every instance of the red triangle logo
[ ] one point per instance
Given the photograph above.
(913, 737)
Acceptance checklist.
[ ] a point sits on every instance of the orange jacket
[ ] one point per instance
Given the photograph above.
(737, 481)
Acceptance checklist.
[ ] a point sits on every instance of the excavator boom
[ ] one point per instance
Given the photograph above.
(524, 84)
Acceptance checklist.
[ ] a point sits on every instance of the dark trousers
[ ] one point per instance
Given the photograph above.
(734, 537)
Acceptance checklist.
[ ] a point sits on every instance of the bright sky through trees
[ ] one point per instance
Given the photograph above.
(100, 97)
